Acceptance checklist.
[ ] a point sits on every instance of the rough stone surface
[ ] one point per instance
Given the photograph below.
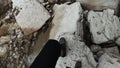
(107, 61)
(112, 51)
(99, 5)
(19, 3)
(118, 41)
(65, 19)
(31, 16)
(76, 51)
(3, 29)
(4, 39)
(104, 26)
(13, 48)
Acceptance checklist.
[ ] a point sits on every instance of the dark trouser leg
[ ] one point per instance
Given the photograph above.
(78, 64)
(48, 57)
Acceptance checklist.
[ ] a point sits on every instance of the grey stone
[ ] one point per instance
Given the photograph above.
(100, 5)
(65, 19)
(107, 61)
(32, 15)
(104, 26)
(118, 41)
(112, 51)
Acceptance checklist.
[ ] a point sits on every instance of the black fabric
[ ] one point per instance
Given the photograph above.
(48, 57)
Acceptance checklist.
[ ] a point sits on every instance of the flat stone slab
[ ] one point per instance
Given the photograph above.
(65, 19)
(32, 15)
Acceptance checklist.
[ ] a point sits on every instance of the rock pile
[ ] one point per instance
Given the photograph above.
(93, 37)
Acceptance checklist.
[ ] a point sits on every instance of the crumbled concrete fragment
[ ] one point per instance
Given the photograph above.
(104, 26)
(107, 61)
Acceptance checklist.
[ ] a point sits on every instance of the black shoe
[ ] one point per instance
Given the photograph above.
(62, 42)
(78, 64)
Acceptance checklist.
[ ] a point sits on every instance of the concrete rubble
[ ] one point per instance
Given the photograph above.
(64, 21)
(104, 26)
(32, 16)
(90, 29)
(107, 61)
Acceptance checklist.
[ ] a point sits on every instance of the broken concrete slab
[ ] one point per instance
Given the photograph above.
(65, 19)
(32, 15)
(76, 51)
(104, 26)
(107, 61)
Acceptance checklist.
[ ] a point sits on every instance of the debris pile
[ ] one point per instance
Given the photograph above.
(92, 35)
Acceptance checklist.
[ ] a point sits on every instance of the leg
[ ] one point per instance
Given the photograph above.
(78, 64)
(48, 57)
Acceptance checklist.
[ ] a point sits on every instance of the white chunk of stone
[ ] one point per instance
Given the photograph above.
(19, 3)
(107, 61)
(104, 26)
(65, 19)
(32, 15)
(76, 51)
